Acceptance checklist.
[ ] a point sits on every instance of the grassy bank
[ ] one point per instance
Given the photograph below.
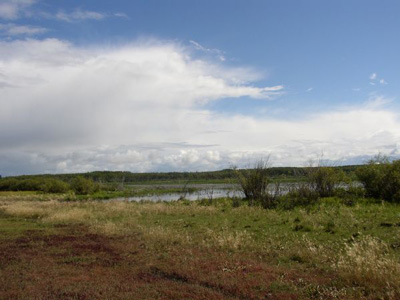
(53, 249)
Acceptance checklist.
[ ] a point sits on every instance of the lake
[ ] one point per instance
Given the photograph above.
(203, 191)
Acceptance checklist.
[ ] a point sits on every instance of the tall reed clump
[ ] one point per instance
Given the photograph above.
(366, 263)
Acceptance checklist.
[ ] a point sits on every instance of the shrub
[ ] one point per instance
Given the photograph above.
(254, 184)
(54, 186)
(321, 181)
(82, 186)
(381, 179)
(298, 195)
(47, 185)
(6, 184)
(324, 180)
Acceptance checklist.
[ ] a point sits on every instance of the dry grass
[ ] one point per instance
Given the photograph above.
(368, 264)
(71, 215)
(30, 209)
(164, 236)
(227, 239)
(174, 209)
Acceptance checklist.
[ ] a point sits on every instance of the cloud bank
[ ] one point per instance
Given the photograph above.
(142, 107)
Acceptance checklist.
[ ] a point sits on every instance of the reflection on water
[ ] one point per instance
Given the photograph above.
(205, 192)
(198, 195)
(215, 191)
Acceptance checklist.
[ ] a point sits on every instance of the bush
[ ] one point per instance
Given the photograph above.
(8, 184)
(82, 186)
(324, 180)
(54, 186)
(381, 179)
(351, 195)
(321, 181)
(299, 195)
(47, 185)
(254, 183)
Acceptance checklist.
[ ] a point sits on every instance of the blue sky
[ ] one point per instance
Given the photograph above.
(196, 85)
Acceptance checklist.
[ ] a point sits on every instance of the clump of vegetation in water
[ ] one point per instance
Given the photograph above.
(319, 182)
(254, 184)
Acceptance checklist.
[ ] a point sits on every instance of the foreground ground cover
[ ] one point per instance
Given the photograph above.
(54, 249)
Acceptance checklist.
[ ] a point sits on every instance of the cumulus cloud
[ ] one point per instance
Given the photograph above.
(141, 107)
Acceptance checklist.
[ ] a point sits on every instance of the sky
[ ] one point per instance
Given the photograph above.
(190, 85)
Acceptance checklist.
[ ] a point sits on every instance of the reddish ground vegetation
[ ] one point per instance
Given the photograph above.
(76, 264)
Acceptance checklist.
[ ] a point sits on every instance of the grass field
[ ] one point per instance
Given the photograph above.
(55, 249)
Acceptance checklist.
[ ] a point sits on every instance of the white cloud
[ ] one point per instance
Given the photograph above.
(374, 80)
(121, 15)
(12, 9)
(79, 15)
(220, 54)
(140, 107)
(15, 9)
(382, 81)
(377, 101)
(18, 30)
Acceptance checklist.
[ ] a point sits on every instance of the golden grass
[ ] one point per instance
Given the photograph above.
(173, 209)
(367, 262)
(226, 238)
(160, 235)
(108, 228)
(29, 209)
(72, 215)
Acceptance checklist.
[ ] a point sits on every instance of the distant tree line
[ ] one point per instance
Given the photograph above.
(79, 185)
(90, 182)
(129, 177)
